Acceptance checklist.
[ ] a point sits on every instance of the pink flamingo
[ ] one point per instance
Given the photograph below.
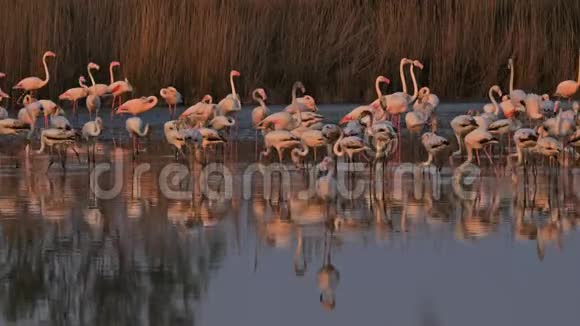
(138, 105)
(356, 112)
(74, 94)
(96, 89)
(118, 88)
(31, 84)
(231, 103)
(201, 112)
(172, 97)
(568, 88)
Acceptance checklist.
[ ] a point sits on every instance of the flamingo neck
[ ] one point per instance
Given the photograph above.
(402, 73)
(82, 84)
(337, 149)
(111, 74)
(294, 91)
(511, 76)
(378, 88)
(46, 73)
(232, 85)
(493, 101)
(90, 75)
(415, 89)
(520, 154)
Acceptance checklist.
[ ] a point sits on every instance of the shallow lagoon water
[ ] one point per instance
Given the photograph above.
(507, 256)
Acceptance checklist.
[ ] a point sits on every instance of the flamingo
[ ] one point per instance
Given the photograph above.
(58, 121)
(96, 89)
(349, 146)
(93, 101)
(9, 126)
(260, 112)
(295, 106)
(174, 137)
(517, 96)
(533, 104)
(137, 129)
(435, 145)
(356, 112)
(475, 140)
(118, 88)
(425, 96)
(462, 125)
(61, 139)
(279, 140)
(221, 122)
(201, 112)
(172, 97)
(524, 138)
(326, 185)
(505, 126)
(138, 105)
(231, 103)
(491, 110)
(91, 132)
(280, 121)
(310, 139)
(32, 84)
(396, 104)
(75, 94)
(547, 146)
(568, 88)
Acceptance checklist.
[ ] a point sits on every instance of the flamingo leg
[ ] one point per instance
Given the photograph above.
(45, 121)
(134, 146)
(488, 156)
(477, 156)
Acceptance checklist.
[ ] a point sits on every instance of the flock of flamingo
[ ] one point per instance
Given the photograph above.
(538, 126)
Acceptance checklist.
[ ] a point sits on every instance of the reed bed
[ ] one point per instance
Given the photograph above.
(335, 48)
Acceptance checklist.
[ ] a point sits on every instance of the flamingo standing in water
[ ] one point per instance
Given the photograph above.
(475, 140)
(356, 112)
(200, 113)
(32, 84)
(93, 102)
(96, 89)
(118, 88)
(137, 129)
(568, 88)
(74, 94)
(138, 105)
(172, 97)
(91, 132)
(231, 103)
(279, 140)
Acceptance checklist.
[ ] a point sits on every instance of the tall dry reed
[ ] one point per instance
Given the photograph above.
(335, 47)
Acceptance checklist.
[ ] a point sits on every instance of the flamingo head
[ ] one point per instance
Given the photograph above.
(497, 89)
(417, 64)
(115, 64)
(207, 99)
(383, 79)
(2, 75)
(545, 97)
(49, 54)
(82, 79)
(262, 93)
(235, 73)
(93, 65)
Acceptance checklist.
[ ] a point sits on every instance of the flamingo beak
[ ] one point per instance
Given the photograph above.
(235, 73)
